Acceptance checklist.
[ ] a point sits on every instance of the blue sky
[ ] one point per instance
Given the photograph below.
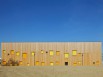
(51, 20)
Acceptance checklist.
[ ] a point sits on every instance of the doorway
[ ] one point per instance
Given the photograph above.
(66, 63)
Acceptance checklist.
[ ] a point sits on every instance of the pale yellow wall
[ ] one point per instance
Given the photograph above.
(91, 52)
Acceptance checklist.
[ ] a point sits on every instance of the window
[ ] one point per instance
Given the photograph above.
(4, 62)
(42, 52)
(12, 52)
(20, 62)
(37, 62)
(75, 63)
(24, 55)
(51, 63)
(66, 63)
(51, 52)
(57, 52)
(74, 52)
(66, 55)
(4, 51)
(28, 64)
(57, 62)
(32, 53)
(79, 62)
(17, 53)
(42, 63)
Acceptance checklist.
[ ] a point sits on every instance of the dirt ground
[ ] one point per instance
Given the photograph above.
(51, 71)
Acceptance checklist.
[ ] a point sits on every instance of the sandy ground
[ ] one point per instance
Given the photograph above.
(51, 71)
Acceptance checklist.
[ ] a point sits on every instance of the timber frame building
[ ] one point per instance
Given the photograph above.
(53, 53)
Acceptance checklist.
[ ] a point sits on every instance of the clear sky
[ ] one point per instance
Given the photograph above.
(51, 20)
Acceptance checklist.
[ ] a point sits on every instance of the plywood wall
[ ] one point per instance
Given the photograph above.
(88, 53)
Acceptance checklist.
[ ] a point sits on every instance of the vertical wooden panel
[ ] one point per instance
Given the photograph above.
(88, 53)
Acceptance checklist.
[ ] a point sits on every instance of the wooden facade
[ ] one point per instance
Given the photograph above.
(53, 53)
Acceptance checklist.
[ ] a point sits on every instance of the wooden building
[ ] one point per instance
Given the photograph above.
(53, 53)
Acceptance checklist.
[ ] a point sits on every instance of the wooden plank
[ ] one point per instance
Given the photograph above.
(91, 53)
